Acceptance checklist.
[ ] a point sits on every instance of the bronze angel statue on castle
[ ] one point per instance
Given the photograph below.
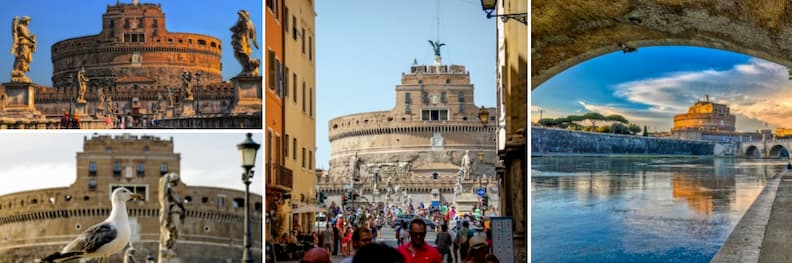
(22, 48)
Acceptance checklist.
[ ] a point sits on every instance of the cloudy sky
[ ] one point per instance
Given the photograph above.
(34, 160)
(652, 85)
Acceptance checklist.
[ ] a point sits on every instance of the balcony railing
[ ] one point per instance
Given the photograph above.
(279, 176)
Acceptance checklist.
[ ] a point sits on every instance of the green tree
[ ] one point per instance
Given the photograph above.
(619, 128)
(645, 133)
(604, 129)
(593, 117)
(634, 129)
(617, 117)
(548, 122)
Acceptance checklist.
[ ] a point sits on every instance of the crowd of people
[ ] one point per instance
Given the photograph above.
(363, 248)
(353, 233)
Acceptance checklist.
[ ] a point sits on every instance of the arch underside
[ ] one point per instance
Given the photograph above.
(752, 151)
(565, 34)
(778, 151)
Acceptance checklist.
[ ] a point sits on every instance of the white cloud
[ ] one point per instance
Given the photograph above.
(757, 90)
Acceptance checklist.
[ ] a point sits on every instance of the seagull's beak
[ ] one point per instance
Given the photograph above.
(137, 196)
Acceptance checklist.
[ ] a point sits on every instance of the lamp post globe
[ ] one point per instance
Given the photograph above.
(247, 149)
(483, 116)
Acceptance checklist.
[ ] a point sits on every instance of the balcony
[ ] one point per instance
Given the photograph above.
(279, 177)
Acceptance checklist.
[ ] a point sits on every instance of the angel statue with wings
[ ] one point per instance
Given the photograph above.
(244, 31)
(22, 48)
(436, 46)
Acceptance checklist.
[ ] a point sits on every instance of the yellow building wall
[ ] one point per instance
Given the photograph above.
(300, 105)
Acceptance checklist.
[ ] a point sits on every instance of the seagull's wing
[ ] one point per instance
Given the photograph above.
(93, 238)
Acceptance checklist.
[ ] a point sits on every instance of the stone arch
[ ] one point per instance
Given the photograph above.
(778, 151)
(564, 35)
(752, 152)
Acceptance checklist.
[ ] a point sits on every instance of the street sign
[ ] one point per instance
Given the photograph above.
(481, 191)
(502, 238)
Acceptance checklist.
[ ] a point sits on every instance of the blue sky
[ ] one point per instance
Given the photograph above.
(53, 21)
(363, 47)
(652, 85)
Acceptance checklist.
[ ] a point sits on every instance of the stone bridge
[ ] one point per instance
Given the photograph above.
(765, 149)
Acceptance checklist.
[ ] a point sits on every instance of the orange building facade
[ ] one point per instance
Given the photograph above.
(278, 185)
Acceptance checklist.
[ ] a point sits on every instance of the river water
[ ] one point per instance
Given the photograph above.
(610, 209)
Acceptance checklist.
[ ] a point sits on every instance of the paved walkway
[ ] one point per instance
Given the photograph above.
(764, 234)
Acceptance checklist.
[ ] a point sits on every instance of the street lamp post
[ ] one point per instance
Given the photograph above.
(247, 149)
(489, 6)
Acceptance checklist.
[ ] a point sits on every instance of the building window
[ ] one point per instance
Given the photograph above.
(286, 149)
(92, 184)
(310, 102)
(134, 37)
(407, 109)
(303, 97)
(201, 42)
(92, 168)
(434, 115)
(221, 201)
(461, 97)
(269, 147)
(277, 149)
(141, 169)
(286, 21)
(271, 69)
(407, 98)
(310, 48)
(294, 90)
(116, 168)
(279, 75)
(425, 97)
(285, 81)
(238, 203)
(145, 149)
(204, 199)
(310, 160)
(294, 27)
(443, 97)
(302, 38)
(303, 157)
(294, 141)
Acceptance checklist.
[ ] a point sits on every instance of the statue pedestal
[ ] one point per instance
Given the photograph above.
(247, 93)
(188, 107)
(81, 109)
(18, 101)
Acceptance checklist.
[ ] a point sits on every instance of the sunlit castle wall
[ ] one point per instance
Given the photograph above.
(135, 46)
(34, 224)
(705, 116)
(434, 121)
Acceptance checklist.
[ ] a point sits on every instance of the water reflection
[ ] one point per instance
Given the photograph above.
(622, 209)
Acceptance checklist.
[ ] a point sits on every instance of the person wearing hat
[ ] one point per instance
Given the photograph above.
(477, 251)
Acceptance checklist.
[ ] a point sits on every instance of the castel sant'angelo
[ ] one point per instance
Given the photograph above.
(432, 142)
(136, 67)
(36, 223)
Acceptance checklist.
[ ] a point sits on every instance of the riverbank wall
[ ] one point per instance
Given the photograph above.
(560, 142)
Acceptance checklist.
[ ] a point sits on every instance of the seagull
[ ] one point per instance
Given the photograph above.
(103, 239)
